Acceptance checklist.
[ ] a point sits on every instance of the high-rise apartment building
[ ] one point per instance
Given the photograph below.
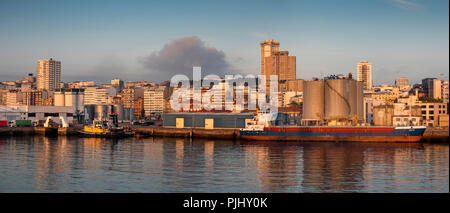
(432, 87)
(154, 102)
(48, 74)
(402, 83)
(444, 92)
(276, 62)
(268, 48)
(364, 72)
(118, 84)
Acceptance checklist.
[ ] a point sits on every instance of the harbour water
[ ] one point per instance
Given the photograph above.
(72, 164)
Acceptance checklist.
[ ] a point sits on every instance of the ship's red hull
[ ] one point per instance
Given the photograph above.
(407, 139)
(335, 134)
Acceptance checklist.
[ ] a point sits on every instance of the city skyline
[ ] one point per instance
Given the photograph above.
(409, 39)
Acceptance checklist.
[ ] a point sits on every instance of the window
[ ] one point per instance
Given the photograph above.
(397, 119)
(431, 112)
(424, 112)
(51, 114)
(423, 106)
(431, 106)
(431, 117)
(32, 114)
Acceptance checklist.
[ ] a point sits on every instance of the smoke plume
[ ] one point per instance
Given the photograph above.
(179, 56)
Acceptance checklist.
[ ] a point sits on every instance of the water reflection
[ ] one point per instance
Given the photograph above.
(67, 164)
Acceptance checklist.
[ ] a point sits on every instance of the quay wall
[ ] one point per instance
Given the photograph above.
(188, 132)
(430, 135)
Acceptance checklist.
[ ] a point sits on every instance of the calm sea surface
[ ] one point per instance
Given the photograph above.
(62, 164)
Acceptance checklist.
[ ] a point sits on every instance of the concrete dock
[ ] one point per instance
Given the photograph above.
(188, 132)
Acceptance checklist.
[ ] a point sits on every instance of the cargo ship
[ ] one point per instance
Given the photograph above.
(336, 133)
(258, 131)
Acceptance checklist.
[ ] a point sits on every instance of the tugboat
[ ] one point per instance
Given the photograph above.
(103, 128)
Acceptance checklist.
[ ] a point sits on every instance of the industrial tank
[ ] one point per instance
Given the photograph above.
(80, 101)
(352, 97)
(360, 100)
(313, 100)
(59, 98)
(337, 103)
(89, 112)
(71, 99)
(117, 109)
(128, 114)
(101, 112)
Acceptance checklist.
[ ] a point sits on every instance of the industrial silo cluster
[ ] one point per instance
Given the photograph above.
(104, 112)
(333, 99)
(70, 97)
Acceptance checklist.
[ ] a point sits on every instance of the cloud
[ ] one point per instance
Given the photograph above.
(179, 56)
(407, 4)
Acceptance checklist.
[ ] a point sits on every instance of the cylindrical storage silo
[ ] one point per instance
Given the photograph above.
(89, 112)
(70, 99)
(80, 101)
(352, 97)
(360, 100)
(128, 114)
(313, 100)
(59, 98)
(118, 110)
(101, 112)
(337, 104)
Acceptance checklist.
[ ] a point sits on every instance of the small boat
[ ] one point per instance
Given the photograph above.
(101, 128)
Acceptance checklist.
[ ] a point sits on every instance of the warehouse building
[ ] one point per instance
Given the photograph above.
(37, 114)
(207, 120)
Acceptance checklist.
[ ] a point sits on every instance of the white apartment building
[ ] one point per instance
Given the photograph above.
(13, 98)
(154, 100)
(97, 95)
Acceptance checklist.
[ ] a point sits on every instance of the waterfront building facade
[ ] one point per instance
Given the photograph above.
(431, 112)
(154, 103)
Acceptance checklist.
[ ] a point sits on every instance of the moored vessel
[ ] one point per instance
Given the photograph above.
(101, 128)
(336, 133)
(260, 129)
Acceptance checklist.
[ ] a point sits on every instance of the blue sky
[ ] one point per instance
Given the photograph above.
(100, 40)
